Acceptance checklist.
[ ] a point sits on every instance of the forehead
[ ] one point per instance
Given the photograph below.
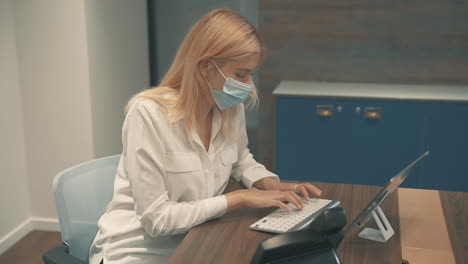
(248, 62)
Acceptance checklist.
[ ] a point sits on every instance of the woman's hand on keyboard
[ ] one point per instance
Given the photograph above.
(304, 188)
(263, 198)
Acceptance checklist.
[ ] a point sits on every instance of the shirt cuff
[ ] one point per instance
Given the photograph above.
(215, 207)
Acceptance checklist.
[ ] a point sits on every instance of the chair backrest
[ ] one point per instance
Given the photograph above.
(82, 194)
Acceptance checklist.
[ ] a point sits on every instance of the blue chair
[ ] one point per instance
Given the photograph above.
(82, 194)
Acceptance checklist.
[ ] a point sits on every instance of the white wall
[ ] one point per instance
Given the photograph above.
(118, 65)
(53, 66)
(14, 193)
(67, 68)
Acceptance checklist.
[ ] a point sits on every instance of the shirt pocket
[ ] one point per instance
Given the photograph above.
(183, 176)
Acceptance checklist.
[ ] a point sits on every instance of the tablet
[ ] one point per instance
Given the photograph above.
(392, 185)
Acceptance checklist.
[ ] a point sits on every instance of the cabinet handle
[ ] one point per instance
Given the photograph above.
(373, 112)
(325, 110)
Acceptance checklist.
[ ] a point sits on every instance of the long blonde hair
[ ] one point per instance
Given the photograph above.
(221, 35)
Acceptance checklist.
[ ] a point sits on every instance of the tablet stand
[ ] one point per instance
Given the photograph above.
(385, 231)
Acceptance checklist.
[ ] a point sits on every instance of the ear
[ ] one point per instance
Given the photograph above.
(204, 66)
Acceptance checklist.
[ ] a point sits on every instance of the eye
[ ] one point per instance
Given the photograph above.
(240, 76)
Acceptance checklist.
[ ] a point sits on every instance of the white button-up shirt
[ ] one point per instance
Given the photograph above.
(164, 186)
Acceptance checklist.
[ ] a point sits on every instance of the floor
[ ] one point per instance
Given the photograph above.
(29, 250)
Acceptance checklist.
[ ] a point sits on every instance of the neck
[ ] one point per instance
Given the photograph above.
(204, 111)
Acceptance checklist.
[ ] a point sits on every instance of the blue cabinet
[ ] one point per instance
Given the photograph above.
(446, 136)
(348, 136)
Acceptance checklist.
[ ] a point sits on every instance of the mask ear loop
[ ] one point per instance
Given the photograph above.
(218, 69)
(206, 80)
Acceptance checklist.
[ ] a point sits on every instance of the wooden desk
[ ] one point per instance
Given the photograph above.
(229, 239)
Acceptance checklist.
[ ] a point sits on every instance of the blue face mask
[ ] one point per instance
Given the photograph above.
(233, 93)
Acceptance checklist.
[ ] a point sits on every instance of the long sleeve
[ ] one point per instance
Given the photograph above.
(146, 169)
(247, 169)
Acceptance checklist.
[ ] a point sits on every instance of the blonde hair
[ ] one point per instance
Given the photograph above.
(221, 35)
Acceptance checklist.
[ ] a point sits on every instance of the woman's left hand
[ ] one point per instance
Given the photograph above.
(303, 188)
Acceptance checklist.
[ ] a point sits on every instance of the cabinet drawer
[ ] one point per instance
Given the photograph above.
(360, 142)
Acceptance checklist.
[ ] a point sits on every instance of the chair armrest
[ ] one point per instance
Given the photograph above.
(59, 255)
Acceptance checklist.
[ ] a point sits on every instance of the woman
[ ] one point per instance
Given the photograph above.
(181, 143)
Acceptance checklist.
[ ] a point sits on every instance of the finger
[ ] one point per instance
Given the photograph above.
(302, 190)
(281, 205)
(298, 198)
(313, 190)
(290, 198)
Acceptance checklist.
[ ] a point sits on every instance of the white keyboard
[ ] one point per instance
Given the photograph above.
(281, 221)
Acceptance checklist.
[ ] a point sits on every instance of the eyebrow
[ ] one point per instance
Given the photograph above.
(247, 70)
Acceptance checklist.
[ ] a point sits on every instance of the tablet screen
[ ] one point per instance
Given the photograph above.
(393, 184)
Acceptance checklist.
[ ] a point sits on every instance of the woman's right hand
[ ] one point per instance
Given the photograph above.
(251, 198)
